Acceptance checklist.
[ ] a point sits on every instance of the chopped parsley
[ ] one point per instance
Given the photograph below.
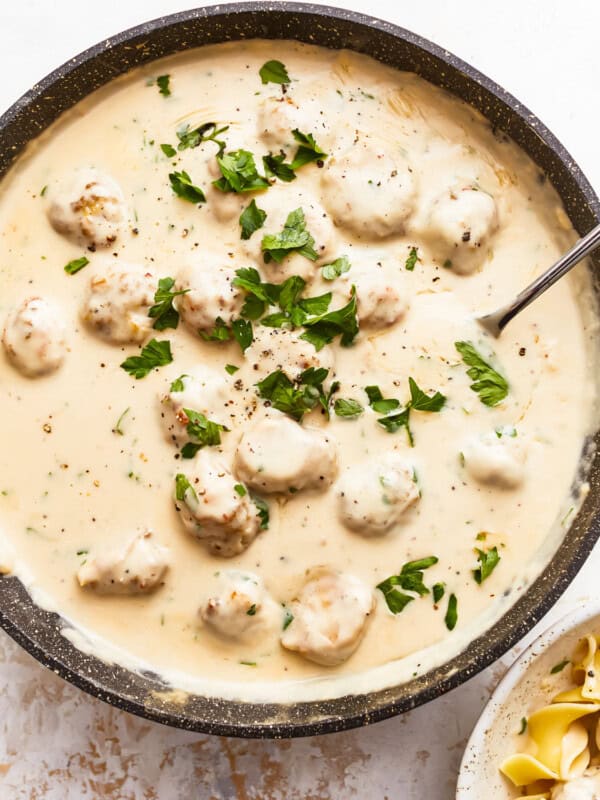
(220, 333)
(163, 83)
(273, 72)
(438, 590)
(338, 267)
(451, 617)
(410, 579)
(240, 489)
(230, 369)
(178, 385)
(207, 132)
(239, 173)
(275, 166)
(294, 238)
(293, 310)
(182, 487)
(412, 259)
(168, 150)
(491, 387)
(342, 322)
(73, 267)
(523, 727)
(262, 508)
(240, 330)
(288, 618)
(559, 667)
(251, 219)
(308, 150)
(163, 312)
(252, 610)
(293, 398)
(154, 354)
(202, 431)
(395, 418)
(182, 185)
(488, 561)
(347, 408)
(118, 429)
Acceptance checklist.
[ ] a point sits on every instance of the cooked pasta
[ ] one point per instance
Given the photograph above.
(561, 757)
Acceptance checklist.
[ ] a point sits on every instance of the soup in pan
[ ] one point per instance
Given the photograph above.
(253, 437)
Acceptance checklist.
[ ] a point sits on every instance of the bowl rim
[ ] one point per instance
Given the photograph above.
(351, 711)
(583, 612)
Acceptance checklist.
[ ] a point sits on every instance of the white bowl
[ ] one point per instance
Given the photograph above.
(528, 685)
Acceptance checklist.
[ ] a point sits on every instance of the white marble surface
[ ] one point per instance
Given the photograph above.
(59, 744)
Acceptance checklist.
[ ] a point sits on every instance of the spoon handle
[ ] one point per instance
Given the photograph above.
(496, 321)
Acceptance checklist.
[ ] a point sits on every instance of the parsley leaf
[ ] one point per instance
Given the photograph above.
(251, 219)
(410, 579)
(308, 151)
(273, 72)
(182, 185)
(395, 418)
(182, 487)
(202, 431)
(438, 590)
(239, 173)
(240, 330)
(488, 560)
(285, 396)
(189, 138)
(220, 333)
(559, 667)
(154, 354)
(347, 408)
(163, 83)
(342, 322)
(412, 259)
(491, 387)
(240, 489)
(262, 508)
(338, 267)
(73, 267)
(293, 238)
(178, 385)
(168, 150)
(164, 314)
(231, 369)
(275, 166)
(451, 617)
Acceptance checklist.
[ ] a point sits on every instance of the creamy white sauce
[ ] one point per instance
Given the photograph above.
(70, 483)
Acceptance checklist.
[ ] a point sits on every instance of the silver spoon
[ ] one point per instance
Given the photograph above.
(495, 323)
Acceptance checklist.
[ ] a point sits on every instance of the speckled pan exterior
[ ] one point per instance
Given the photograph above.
(144, 694)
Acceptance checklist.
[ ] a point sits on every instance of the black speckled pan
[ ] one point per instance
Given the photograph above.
(39, 631)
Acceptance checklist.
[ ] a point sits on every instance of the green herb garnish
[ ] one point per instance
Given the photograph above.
(275, 166)
(163, 83)
(251, 219)
(488, 561)
(262, 508)
(73, 267)
(347, 408)
(163, 312)
(288, 618)
(239, 173)
(410, 579)
(438, 590)
(395, 418)
(559, 667)
(252, 610)
(240, 489)
(491, 387)
(207, 132)
(168, 150)
(412, 259)
(294, 238)
(342, 322)
(523, 726)
(154, 354)
(338, 267)
(451, 617)
(182, 185)
(308, 150)
(273, 72)
(182, 487)
(230, 369)
(202, 431)
(118, 429)
(294, 398)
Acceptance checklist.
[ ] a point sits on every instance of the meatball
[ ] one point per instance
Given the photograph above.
(369, 190)
(307, 461)
(278, 348)
(137, 568)
(210, 294)
(278, 205)
(381, 301)
(373, 495)
(89, 209)
(34, 338)
(118, 303)
(584, 787)
(215, 508)
(202, 390)
(461, 224)
(496, 459)
(241, 608)
(329, 617)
